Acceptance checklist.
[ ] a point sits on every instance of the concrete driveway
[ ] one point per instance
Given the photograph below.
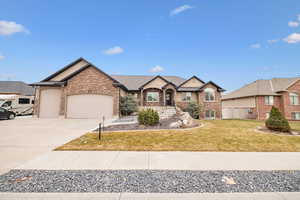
(23, 139)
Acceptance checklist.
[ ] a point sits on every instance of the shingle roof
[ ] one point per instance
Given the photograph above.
(262, 87)
(133, 82)
(17, 87)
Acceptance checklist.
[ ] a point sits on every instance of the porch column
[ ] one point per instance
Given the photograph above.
(141, 98)
(164, 97)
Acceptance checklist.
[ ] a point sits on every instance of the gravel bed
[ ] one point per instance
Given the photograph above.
(149, 181)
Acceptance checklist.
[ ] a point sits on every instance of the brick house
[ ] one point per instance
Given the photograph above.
(255, 100)
(81, 90)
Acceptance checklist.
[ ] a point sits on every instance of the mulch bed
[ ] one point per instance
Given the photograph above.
(266, 130)
(163, 124)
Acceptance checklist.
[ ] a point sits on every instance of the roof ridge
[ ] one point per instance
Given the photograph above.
(271, 84)
(146, 75)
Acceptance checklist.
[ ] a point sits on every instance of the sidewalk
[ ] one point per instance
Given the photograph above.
(128, 160)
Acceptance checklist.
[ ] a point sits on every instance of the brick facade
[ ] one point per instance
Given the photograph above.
(92, 81)
(89, 81)
(287, 107)
(262, 109)
(214, 105)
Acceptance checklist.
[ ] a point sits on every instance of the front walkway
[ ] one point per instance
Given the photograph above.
(130, 160)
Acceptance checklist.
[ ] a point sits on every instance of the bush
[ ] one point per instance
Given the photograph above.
(193, 109)
(148, 117)
(128, 105)
(277, 122)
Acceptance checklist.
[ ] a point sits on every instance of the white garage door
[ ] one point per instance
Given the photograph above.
(50, 103)
(89, 106)
(235, 113)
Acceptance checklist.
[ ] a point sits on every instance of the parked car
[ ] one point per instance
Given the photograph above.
(6, 114)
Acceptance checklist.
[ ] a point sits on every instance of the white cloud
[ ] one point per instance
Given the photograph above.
(272, 41)
(293, 24)
(156, 69)
(292, 38)
(9, 28)
(2, 57)
(113, 50)
(180, 9)
(255, 46)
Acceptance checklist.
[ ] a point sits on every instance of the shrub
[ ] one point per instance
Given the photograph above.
(148, 117)
(193, 109)
(128, 105)
(277, 122)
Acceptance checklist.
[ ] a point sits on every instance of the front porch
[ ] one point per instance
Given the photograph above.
(157, 97)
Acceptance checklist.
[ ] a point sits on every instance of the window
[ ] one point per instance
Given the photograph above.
(209, 94)
(210, 114)
(187, 96)
(295, 115)
(267, 115)
(152, 96)
(6, 104)
(32, 101)
(24, 101)
(294, 99)
(269, 100)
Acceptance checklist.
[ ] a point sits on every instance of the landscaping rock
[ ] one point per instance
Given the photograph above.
(177, 124)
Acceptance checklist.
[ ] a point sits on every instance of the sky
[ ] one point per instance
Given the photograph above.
(230, 42)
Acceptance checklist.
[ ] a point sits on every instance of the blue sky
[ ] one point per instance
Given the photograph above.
(230, 42)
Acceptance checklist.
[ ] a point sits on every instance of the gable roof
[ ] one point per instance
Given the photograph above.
(47, 81)
(262, 87)
(134, 82)
(17, 87)
(127, 82)
(191, 79)
(214, 84)
(64, 69)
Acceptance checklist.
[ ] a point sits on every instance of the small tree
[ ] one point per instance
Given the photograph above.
(277, 122)
(193, 109)
(148, 117)
(128, 105)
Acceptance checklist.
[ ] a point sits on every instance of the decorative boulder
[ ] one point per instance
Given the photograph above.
(177, 124)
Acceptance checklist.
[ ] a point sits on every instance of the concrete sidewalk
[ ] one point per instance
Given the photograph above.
(98, 160)
(152, 196)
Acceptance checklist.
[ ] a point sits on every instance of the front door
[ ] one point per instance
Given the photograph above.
(168, 98)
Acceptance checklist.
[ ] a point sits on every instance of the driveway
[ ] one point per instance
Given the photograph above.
(24, 139)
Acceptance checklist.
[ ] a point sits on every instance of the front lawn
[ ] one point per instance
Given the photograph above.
(216, 135)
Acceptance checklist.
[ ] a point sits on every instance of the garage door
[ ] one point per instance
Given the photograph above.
(50, 103)
(235, 113)
(89, 106)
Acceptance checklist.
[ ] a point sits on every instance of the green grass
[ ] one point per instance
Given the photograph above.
(216, 135)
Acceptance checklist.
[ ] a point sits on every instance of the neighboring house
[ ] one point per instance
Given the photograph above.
(16, 88)
(81, 90)
(255, 100)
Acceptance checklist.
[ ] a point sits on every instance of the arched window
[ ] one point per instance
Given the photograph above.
(210, 114)
(209, 94)
(294, 99)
